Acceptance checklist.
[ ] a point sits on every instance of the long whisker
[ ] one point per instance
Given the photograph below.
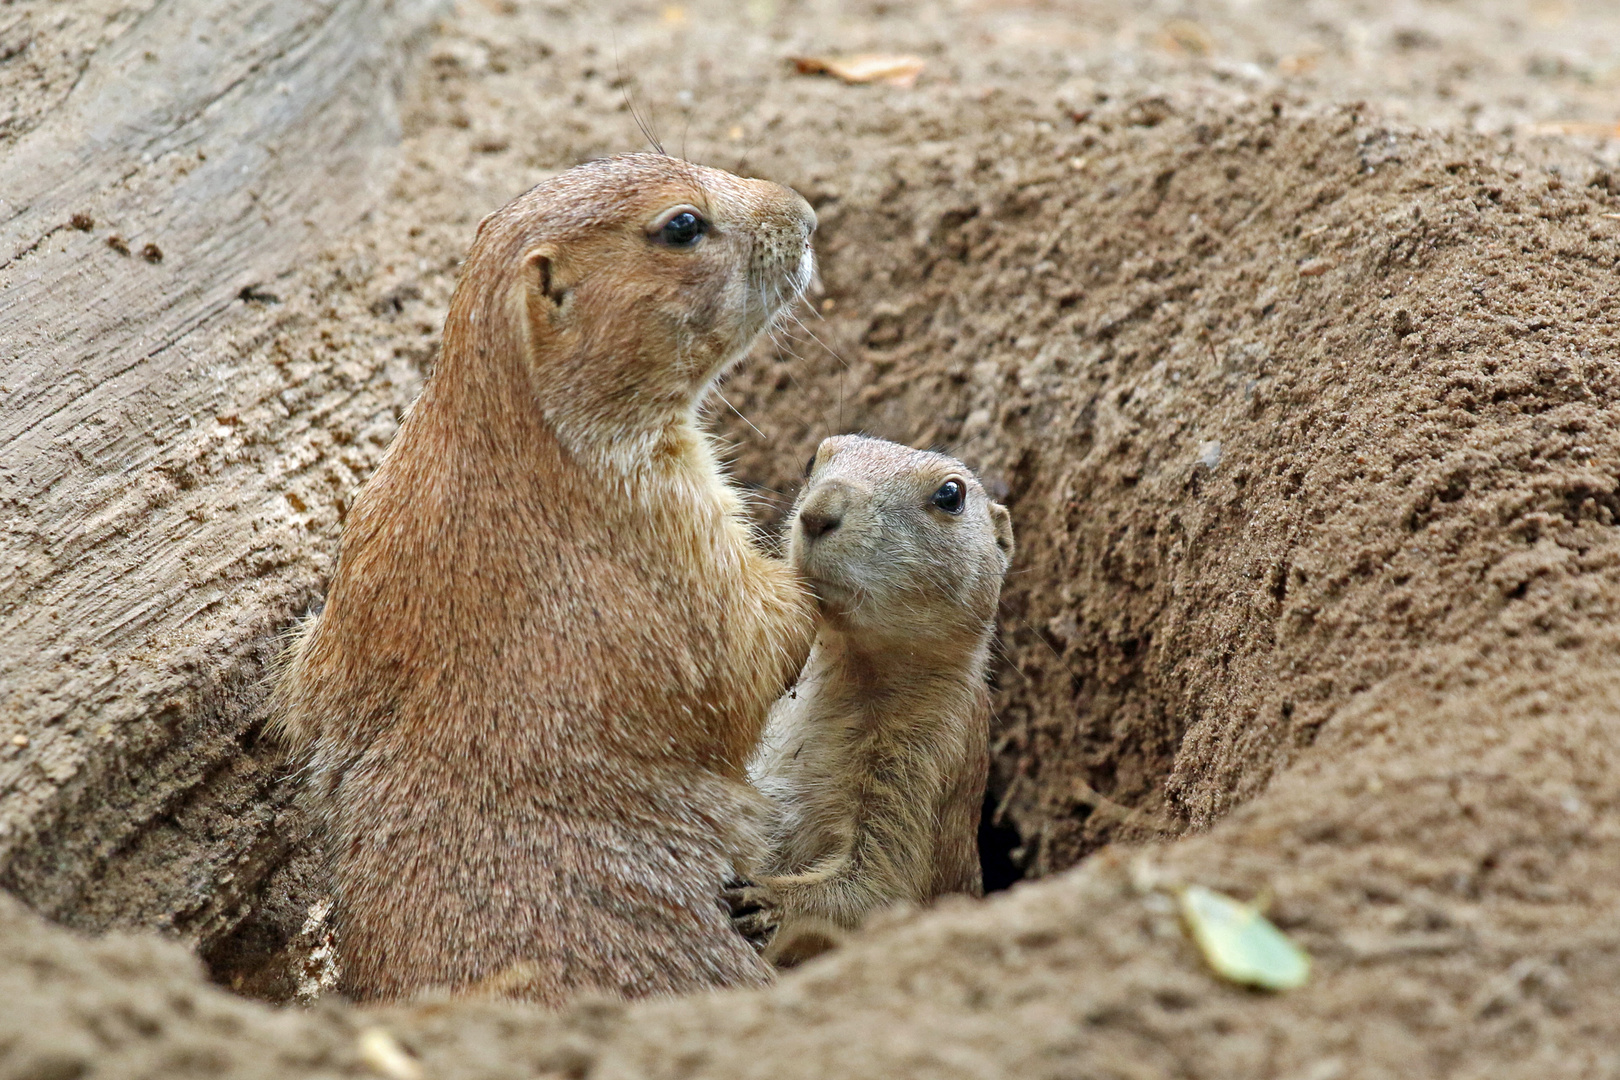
(782, 343)
(998, 648)
(955, 449)
(740, 416)
(794, 316)
(742, 162)
(624, 90)
(841, 399)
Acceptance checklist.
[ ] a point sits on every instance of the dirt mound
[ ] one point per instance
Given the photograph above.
(1288, 405)
(1307, 423)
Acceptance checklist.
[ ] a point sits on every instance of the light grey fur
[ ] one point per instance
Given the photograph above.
(875, 762)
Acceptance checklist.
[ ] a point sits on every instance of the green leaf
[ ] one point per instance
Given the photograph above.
(1241, 944)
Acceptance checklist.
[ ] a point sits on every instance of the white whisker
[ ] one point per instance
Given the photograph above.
(830, 351)
(740, 416)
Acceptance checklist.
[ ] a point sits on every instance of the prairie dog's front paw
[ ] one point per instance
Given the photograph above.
(755, 911)
(777, 917)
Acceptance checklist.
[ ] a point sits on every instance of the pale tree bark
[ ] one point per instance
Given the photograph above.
(148, 555)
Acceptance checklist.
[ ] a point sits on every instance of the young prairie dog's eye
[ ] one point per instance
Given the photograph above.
(810, 466)
(951, 496)
(681, 227)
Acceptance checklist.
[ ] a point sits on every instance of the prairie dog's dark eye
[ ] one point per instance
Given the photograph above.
(951, 496)
(683, 229)
(810, 466)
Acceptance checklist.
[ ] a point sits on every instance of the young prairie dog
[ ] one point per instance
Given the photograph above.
(875, 762)
(551, 644)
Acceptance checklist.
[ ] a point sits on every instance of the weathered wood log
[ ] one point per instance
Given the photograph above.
(145, 565)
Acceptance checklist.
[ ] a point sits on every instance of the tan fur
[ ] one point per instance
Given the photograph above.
(551, 643)
(876, 760)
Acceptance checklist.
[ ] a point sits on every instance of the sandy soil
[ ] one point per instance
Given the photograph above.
(1288, 330)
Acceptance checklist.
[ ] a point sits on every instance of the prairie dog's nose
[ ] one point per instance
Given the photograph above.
(818, 521)
(806, 212)
(824, 510)
(781, 208)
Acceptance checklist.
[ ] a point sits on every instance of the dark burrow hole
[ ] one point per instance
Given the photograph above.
(1000, 847)
(276, 953)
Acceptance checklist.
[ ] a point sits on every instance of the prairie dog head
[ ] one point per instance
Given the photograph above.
(899, 544)
(629, 284)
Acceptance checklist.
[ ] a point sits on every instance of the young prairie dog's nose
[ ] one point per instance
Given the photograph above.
(824, 510)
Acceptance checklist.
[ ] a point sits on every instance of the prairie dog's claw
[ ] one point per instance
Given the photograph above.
(753, 910)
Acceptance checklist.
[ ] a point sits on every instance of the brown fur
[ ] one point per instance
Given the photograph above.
(551, 643)
(876, 760)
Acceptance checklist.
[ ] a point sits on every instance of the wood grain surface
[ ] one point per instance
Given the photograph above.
(206, 149)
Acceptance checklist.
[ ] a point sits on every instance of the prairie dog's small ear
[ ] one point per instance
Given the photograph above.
(540, 265)
(482, 222)
(1001, 523)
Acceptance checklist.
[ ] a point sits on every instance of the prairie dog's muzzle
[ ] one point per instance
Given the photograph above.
(824, 510)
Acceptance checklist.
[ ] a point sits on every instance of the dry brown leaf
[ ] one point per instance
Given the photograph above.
(1185, 38)
(1590, 128)
(1299, 63)
(895, 70)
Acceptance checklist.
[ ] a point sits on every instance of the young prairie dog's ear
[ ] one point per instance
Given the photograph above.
(546, 294)
(1001, 523)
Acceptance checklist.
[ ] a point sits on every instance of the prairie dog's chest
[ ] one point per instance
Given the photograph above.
(682, 526)
(814, 762)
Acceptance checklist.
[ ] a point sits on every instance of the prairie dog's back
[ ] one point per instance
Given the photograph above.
(875, 762)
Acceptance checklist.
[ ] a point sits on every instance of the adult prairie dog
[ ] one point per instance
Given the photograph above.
(875, 762)
(551, 644)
